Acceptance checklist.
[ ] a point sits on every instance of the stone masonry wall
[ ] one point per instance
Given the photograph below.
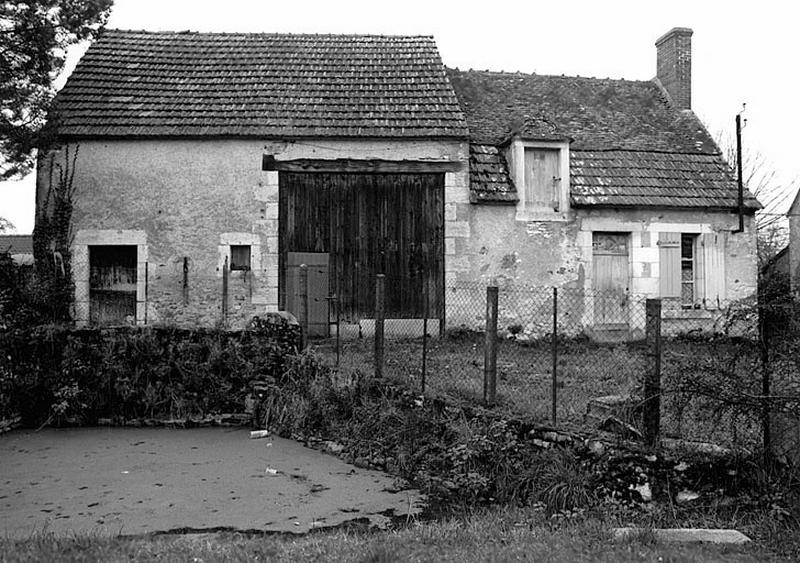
(192, 199)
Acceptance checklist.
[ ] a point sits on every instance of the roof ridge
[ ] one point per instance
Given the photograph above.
(512, 73)
(189, 32)
(656, 151)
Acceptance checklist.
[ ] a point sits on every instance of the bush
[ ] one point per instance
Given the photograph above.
(62, 374)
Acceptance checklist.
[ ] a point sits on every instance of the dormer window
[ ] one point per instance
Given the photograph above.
(542, 179)
(541, 174)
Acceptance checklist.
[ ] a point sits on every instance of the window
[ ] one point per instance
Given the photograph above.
(542, 178)
(688, 294)
(692, 269)
(112, 284)
(240, 257)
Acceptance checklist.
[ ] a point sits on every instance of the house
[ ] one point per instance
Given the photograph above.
(19, 247)
(608, 188)
(209, 167)
(262, 151)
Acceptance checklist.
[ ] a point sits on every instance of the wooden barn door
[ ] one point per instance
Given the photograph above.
(611, 273)
(368, 224)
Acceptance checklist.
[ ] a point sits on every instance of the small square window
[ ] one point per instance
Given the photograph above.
(240, 257)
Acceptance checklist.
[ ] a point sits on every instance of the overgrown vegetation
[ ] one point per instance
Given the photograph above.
(465, 456)
(62, 375)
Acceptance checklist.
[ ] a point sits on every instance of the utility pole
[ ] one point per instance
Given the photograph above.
(739, 181)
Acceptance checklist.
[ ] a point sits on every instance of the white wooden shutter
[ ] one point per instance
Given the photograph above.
(713, 251)
(699, 271)
(669, 263)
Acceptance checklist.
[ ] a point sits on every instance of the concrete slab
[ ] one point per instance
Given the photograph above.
(688, 535)
(113, 481)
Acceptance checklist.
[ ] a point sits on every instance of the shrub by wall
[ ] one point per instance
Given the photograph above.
(77, 376)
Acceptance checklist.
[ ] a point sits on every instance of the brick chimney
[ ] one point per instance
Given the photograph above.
(674, 65)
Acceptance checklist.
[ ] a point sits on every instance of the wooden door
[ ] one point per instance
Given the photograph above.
(611, 278)
(318, 291)
(368, 224)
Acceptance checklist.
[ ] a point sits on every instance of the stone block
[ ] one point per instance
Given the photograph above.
(456, 263)
(271, 178)
(456, 194)
(271, 211)
(450, 212)
(456, 229)
(450, 246)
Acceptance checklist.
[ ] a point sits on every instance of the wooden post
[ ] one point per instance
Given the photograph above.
(225, 291)
(490, 348)
(304, 303)
(146, 287)
(555, 355)
(380, 285)
(425, 312)
(652, 377)
(766, 431)
(185, 280)
(338, 322)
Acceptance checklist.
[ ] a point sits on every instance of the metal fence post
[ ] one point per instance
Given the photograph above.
(555, 355)
(380, 285)
(304, 302)
(490, 348)
(652, 377)
(225, 291)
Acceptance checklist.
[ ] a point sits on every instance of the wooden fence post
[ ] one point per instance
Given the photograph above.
(304, 302)
(146, 288)
(490, 348)
(652, 376)
(225, 291)
(766, 430)
(380, 285)
(185, 280)
(425, 312)
(554, 350)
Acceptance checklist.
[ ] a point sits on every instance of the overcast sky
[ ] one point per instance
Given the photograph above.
(742, 51)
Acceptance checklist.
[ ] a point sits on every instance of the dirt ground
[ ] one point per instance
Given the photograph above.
(113, 481)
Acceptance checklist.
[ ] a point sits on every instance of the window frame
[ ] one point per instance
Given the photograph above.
(689, 241)
(234, 267)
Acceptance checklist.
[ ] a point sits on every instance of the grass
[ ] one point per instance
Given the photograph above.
(496, 535)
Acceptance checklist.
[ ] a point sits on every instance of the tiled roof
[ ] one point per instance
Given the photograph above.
(489, 178)
(16, 244)
(621, 178)
(135, 83)
(596, 113)
(628, 146)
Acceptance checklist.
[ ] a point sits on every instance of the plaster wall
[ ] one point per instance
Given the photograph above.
(193, 199)
(540, 255)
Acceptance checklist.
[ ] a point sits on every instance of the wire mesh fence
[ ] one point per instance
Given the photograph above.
(578, 357)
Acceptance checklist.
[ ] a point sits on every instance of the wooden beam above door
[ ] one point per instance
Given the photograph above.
(269, 162)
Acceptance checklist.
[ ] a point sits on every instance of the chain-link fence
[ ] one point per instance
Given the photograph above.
(579, 357)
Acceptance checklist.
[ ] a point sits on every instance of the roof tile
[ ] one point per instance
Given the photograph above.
(195, 84)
